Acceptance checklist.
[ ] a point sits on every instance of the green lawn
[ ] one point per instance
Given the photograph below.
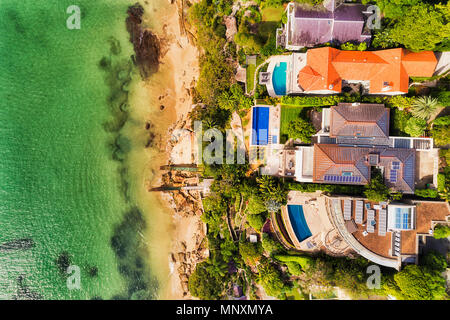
(296, 294)
(272, 14)
(271, 17)
(288, 114)
(251, 68)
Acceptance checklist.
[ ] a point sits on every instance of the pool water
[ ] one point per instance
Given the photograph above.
(298, 222)
(260, 125)
(279, 79)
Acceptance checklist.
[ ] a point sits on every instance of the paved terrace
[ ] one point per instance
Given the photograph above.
(336, 216)
(428, 213)
(324, 234)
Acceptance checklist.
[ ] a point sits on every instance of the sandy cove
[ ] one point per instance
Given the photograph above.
(178, 73)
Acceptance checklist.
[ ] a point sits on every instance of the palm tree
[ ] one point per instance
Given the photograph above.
(424, 107)
(227, 101)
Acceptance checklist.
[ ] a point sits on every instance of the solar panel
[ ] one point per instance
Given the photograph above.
(333, 178)
(393, 176)
(395, 165)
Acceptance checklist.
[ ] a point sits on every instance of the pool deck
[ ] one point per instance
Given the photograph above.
(274, 61)
(295, 62)
(316, 218)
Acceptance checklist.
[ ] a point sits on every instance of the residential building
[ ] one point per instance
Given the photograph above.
(328, 70)
(334, 21)
(354, 138)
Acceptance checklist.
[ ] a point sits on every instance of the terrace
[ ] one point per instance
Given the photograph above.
(381, 237)
(306, 220)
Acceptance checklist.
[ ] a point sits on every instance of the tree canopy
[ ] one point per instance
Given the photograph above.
(301, 129)
(376, 190)
(441, 231)
(204, 284)
(418, 283)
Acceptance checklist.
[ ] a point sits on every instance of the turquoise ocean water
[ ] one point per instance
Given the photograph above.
(62, 184)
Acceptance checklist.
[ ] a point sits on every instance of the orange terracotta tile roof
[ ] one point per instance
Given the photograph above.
(334, 160)
(387, 70)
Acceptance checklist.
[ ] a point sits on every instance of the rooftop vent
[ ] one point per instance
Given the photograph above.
(373, 159)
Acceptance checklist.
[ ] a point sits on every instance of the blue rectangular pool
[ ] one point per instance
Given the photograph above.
(298, 222)
(260, 125)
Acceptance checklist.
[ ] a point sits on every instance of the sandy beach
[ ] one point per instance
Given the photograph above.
(169, 94)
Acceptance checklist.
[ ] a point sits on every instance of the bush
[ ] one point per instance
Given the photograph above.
(301, 129)
(419, 283)
(441, 231)
(435, 261)
(426, 193)
(310, 101)
(294, 268)
(256, 205)
(304, 261)
(352, 46)
(401, 102)
(256, 221)
(203, 284)
(271, 245)
(270, 278)
(251, 253)
(415, 127)
(329, 188)
(376, 190)
(441, 134)
(444, 98)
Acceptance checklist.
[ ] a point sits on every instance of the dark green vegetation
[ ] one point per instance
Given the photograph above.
(423, 282)
(441, 231)
(400, 25)
(376, 190)
(301, 129)
(296, 124)
(257, 26)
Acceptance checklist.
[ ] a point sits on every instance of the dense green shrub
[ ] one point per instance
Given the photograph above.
(205, 284)
(376, 189)
(417, 283)
(441, 130)
(301, 129)
(256, 221)
(256, 205)
(304, 261)
(415, 127)
(271, 245)
(444, 98)
(441, 231)
(271, 279)
(353, 47)
(329, 188)
(251, 253)
(426, 193)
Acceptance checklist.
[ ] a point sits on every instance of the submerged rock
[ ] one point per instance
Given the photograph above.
(19, 244)
(147, 47)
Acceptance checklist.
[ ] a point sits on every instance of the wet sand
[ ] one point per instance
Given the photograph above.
(158, 103)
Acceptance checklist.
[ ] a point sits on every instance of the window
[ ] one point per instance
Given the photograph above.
(347, 174)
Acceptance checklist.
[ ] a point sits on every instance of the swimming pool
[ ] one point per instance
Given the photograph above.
(279, 79)
(260, 125)
(298, 222)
